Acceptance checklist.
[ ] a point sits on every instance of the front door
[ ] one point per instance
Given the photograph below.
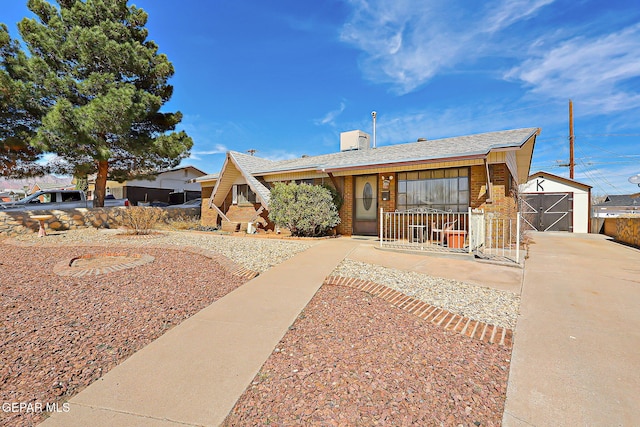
(365, 202)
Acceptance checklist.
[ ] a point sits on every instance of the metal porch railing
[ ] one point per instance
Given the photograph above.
(475, 232)
(424, 229)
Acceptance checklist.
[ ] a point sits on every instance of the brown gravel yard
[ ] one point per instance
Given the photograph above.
(351, 359)
(59, 334)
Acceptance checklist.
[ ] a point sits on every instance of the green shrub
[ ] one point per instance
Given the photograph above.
(335, 196)
(306, 210)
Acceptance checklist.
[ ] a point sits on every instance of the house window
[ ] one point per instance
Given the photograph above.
(442, 189)
(242, 194)
(304, 181)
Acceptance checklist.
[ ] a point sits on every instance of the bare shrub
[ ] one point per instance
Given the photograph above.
(182, 222)
(142, 219)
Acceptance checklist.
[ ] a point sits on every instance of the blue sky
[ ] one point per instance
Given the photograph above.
(286, 77)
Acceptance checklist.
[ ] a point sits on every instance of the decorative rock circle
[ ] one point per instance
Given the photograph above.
(97, 264)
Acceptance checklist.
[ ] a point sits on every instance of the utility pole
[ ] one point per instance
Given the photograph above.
(571, 140)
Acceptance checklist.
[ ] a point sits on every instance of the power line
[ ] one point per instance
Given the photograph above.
(595, 182)
(609, 151)
(603, 177)
(617, 135)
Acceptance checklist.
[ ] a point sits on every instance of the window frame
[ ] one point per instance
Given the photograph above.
(433, 188)
(238, 197)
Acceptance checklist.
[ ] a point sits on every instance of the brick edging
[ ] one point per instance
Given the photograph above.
(474, 329)
(65, 268)
(230, 265)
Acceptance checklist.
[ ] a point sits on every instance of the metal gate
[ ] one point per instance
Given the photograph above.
(548, 211)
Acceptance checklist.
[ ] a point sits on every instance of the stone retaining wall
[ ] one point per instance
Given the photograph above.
(18, 222)
(626, 230)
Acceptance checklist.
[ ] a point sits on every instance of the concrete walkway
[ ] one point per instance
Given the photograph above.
(193, 374)
(576, 355)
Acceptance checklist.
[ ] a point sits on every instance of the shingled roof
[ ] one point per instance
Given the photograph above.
(456, 148)
(447, 148)
(621, 200)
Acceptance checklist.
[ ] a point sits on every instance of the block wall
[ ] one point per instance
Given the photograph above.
(19, 222)
(626, 230)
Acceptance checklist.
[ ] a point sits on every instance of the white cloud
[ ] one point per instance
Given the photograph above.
(509, 12)
(435, 123)
(331, 116)
(218, 149)
(592, 70)
(405, 43)
(277, 155)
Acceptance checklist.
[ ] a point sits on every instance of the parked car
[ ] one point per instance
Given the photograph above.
(195, 203)
(58, 199)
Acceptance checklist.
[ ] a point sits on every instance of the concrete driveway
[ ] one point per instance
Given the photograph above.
(576, 355)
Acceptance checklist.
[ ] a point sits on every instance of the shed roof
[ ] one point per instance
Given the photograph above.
(568, 181)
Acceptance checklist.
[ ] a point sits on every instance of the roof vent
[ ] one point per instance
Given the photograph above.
(422, 139)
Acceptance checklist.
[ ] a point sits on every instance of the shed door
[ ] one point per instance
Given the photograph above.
(548, 211)
(365, 201)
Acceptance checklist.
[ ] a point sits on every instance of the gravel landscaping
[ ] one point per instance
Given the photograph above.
(476, 302)
(351, 359)
(59, 334)
(254, 254)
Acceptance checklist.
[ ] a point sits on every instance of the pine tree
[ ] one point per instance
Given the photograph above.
(103, 84)
(20, 113)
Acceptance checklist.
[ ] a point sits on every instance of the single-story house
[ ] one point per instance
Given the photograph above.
(43, 186)
(616, 205)
(171, 186)
(11, 195)
(554, 203)
(450, 174)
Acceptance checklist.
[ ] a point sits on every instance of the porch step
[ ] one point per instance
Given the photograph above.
(230, 226)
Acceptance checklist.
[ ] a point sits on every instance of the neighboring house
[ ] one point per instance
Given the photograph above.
(451, 174)
(553, 203)
(616, 205)
(11, 195)
(41, 186)
(172, 186)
